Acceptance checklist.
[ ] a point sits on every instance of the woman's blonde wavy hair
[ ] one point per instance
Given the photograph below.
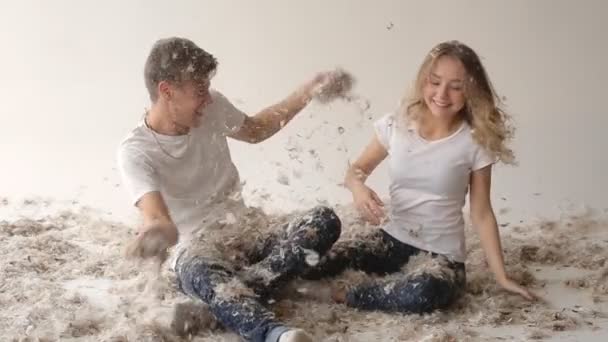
(490, 124)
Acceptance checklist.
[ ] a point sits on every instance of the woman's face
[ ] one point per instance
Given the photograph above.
(443, 91)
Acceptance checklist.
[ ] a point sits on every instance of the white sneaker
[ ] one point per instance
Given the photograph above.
(295, 335)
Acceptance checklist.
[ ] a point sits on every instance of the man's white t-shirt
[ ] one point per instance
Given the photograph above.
(192, 172)
(429, 181)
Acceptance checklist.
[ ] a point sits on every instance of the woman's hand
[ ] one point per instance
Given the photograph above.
(368, 204)
(514, 287)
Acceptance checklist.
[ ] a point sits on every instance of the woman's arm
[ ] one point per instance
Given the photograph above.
(484, 221)
(366, 200)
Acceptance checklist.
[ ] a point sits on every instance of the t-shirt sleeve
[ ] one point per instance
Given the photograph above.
(482, 158)
(137, 174)
(226, 116)
(384, 129)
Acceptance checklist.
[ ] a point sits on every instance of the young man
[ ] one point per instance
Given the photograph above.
(177, 168)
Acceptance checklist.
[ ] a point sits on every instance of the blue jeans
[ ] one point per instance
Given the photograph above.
(380, 253)
(236, 298)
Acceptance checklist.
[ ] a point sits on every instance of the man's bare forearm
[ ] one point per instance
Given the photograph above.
(270, 120)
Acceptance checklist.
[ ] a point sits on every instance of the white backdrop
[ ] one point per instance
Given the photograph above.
(72, 87)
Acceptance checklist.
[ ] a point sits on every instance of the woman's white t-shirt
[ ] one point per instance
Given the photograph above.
(429, 181)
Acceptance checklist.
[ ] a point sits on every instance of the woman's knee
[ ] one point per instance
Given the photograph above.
(426, 293)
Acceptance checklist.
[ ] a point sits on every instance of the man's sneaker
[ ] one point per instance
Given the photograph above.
(295, 335)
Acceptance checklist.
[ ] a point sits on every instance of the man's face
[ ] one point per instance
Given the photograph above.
(187, 101)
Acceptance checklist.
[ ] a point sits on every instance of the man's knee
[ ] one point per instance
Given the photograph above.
(320, 230)
(197, 277)
(329, 220)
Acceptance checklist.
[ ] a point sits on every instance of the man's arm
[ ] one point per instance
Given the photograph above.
(158, 231)
(270, 120)
(153, 209)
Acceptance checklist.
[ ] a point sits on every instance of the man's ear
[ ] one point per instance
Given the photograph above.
(165, 90)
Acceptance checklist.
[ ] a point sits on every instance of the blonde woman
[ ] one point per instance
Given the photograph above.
(440, 145)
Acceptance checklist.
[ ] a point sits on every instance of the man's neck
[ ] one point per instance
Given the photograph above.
(159, 120)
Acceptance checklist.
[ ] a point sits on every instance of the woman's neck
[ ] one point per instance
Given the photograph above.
(431, 127)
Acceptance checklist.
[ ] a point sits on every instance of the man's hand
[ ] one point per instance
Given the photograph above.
(328, 85)
(153, 240)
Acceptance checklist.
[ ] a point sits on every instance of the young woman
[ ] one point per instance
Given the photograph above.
(440, 144)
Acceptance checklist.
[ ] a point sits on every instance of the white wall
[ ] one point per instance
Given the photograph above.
(72, 87)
